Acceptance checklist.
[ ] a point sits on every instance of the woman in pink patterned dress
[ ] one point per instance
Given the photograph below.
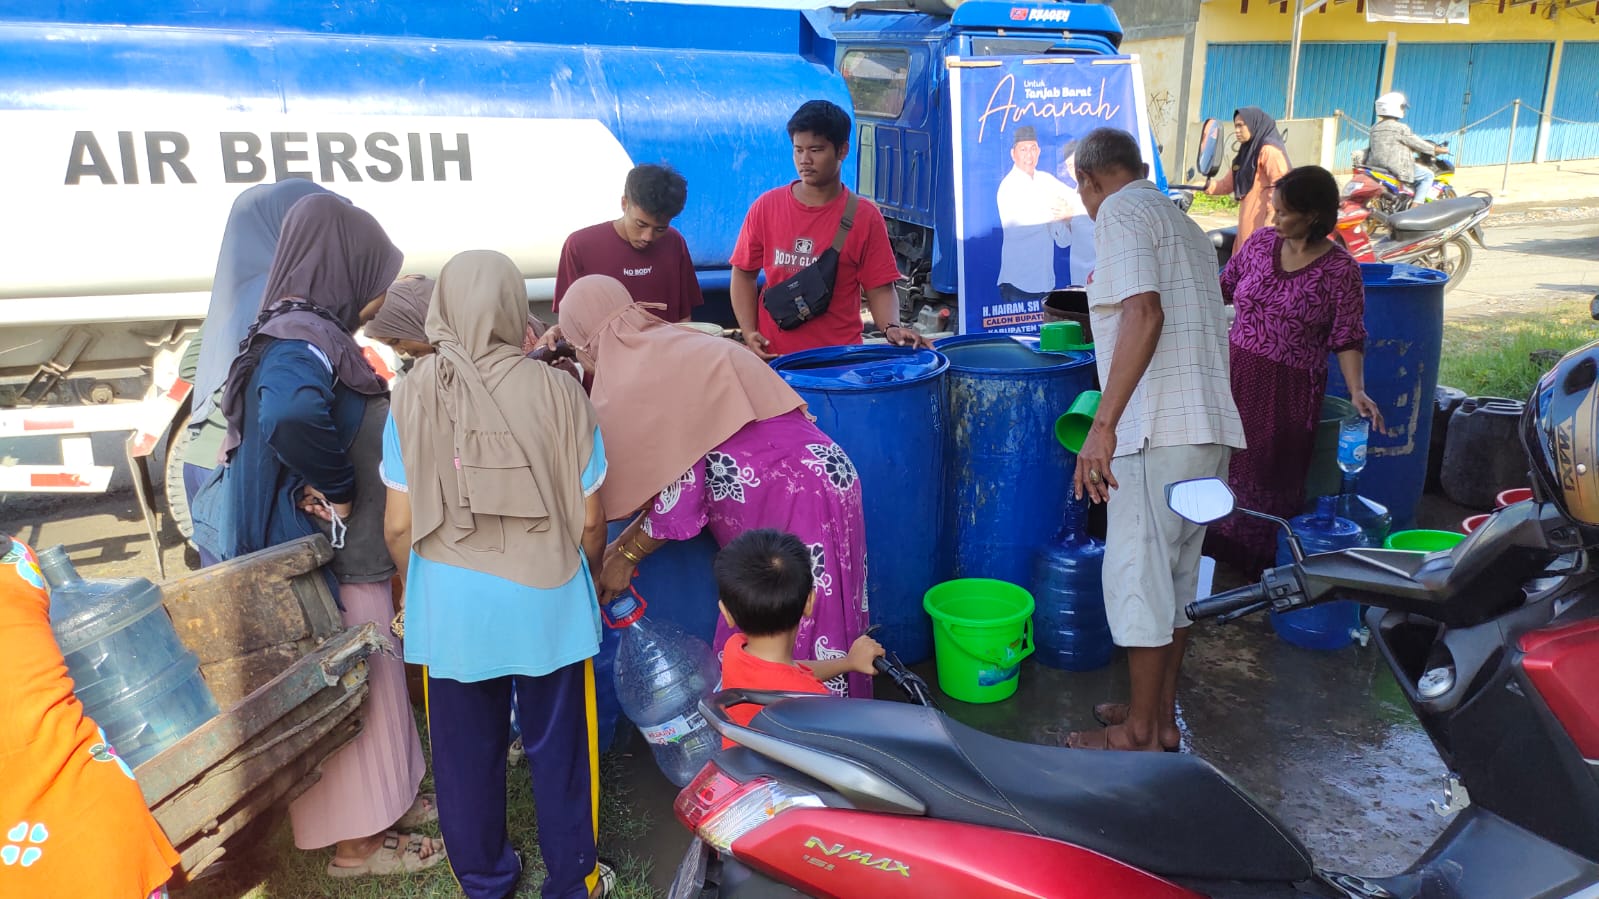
(700, 433)
(1298, 297)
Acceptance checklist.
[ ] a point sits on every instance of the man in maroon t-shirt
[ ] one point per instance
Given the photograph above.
(641, 249)
(790, 226)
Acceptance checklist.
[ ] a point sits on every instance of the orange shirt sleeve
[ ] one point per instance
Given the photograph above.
(72, 819)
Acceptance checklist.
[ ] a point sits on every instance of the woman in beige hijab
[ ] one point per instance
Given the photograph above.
(493, 463)
(399, 320)
(703, 434)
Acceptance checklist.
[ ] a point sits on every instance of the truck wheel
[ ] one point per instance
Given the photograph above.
(177, 497)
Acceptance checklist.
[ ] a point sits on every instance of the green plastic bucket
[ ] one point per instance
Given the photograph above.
(982, 629)
(1423, 541)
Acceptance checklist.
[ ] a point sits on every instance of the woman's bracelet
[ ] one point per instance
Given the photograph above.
(622, 548)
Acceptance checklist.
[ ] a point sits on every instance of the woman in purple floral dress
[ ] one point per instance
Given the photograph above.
(699, 433)
(1298, 297)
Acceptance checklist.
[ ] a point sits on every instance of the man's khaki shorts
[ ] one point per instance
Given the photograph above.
(1151, 555)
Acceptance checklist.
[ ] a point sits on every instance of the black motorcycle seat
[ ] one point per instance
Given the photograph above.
(1170, 814)
(1223, 239)
(1437, 215)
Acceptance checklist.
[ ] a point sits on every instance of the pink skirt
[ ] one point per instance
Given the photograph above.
(372, 781)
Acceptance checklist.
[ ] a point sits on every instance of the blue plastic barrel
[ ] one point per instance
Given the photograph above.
(1008, 477)
(677, 582)
(1330, 625)
(885, 405)
(1404, 338)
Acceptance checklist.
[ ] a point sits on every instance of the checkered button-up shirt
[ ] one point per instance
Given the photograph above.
(1145, 244)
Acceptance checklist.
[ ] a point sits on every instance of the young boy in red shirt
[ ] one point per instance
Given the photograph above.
(763, 578)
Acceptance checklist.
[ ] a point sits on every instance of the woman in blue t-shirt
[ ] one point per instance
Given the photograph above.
(493, 462)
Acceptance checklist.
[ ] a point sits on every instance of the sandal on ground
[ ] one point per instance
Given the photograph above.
(398, 854)
(1111, 714)
(425, 810)
(607, 879)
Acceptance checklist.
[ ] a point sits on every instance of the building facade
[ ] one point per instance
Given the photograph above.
(1463, 81)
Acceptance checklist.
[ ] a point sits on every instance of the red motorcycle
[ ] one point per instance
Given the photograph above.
(1495, 645)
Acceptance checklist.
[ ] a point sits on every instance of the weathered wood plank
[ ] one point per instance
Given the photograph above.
(213, 742)
(267, 598)
(197, 808)
(282, 786)
(231, 680)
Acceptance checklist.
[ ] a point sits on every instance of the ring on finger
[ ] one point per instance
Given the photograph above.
(1093, 477)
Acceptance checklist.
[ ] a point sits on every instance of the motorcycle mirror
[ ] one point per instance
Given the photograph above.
(1593, 308)
(1200, 501)
(1207, 161)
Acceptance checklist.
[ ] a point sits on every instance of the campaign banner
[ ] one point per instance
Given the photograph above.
(1022, 230)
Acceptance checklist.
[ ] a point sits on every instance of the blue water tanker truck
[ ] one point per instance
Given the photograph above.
(131, 127)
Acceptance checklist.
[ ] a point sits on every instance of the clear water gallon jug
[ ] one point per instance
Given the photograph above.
(1069, 626)
(662, 673)
(132, 674)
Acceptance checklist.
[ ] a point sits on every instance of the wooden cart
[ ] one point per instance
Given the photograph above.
(290, 678)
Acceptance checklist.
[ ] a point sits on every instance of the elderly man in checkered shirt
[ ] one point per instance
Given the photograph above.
(1166, 415)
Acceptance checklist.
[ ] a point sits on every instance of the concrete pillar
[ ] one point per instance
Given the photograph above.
(1386, 82)
(1541, 150)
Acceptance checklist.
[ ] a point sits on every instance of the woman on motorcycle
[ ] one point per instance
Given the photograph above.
(1262, 159)
(702, 434)
(1298, 297)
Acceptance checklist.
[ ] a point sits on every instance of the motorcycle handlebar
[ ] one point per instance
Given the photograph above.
(1230, 601)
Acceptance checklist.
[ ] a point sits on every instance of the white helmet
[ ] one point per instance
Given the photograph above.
(1392, 105)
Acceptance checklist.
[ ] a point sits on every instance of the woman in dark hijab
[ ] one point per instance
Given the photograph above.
(1262, 159)
(305, 415)
(248, 242)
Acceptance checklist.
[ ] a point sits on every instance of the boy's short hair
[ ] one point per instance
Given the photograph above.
(763, 577)
(657, 189)
(824, 118)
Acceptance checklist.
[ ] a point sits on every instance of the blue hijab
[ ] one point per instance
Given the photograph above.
(248, 243)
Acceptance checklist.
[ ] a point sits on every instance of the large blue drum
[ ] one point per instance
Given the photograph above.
(1404, 339)
(677, 583)
(885, 406)
(1008, 477)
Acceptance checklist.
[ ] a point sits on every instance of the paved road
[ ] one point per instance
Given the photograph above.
(1528, 264)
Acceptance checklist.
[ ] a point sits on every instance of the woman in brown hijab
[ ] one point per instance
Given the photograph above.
(702, 434)
(305, 417)
(494, 462)
(401, 319)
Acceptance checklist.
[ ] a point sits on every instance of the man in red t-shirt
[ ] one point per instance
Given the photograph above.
(641, 248)
(764, 582)
(789, 227)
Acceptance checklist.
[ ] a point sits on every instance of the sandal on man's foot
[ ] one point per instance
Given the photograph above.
(1111, 714)
(398, 854)
(425, 810)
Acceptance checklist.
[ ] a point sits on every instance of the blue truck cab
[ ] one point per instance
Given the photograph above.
(893, 62)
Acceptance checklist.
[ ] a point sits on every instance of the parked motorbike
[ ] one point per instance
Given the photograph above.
(1433, 235)
(1495, 645)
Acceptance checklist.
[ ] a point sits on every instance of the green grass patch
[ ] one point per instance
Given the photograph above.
(1205, 204)
(274, 869)
(1491, 355)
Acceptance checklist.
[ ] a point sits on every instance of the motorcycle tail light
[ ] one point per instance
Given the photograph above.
(720, 809)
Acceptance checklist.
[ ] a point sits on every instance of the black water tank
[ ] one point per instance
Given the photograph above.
(1483, 454)
(1445, 401)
